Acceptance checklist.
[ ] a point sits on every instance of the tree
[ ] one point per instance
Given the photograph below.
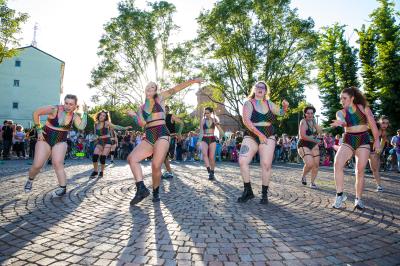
(10, 26)
(242, 41)
(337, 68)
(388, 59)
(134, 42)
(368, 57)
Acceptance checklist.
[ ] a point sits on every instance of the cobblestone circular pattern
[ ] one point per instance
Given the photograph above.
(196, 222)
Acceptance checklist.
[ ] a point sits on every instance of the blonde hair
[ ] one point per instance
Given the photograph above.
(252, 94)
(150, 84)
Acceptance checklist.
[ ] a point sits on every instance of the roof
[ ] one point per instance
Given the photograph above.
(31, 46)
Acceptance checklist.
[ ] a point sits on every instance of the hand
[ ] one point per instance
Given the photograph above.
(84, 107)
(263, 140)
(336, 123)
(198, 80)
(131, 113)
(285, 104)
(377, 146)
(40, 137)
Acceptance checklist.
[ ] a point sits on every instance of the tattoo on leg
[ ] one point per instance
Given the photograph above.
(244, 149)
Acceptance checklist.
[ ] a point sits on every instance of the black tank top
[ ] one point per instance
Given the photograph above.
(170, 124)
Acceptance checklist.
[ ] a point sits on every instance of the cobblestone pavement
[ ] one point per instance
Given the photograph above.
(197, 222)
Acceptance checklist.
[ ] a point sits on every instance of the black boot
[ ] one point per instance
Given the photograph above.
(247, 193)
(211, 175)
(93, 174)
(141, 193)
(156, 194)
(264, 195)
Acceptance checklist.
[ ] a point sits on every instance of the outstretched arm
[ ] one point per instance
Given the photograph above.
(137, 117)
(179, 87)
(117, 127)
(340, 120)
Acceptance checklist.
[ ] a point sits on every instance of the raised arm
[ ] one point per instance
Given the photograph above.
(179, 87)
(277, 110)
(80, 121)
(247, 109)
(218, 125)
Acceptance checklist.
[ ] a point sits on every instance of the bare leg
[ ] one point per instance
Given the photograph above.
(57, 158)
(139, 153)
(374, 162)
(42, 153)
(315, 168)
(342, 156)
(247, 151)
(362, 155)
(211, 154)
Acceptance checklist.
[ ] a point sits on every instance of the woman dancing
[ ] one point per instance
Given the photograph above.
(374, 157)
(308, 145)
(355, 117)
(103, 128)
(152, 116)
(258, 115)
(207, 140)
(52, 139)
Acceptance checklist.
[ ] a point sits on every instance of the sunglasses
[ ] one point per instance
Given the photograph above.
(260, 87)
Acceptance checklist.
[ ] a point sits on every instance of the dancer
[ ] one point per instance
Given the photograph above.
(308, 145)
(258, 115)
(374, 157)
(114, 145)
(171, 121)
(355, 117)
(207, 140)
(152, 116)
(103, 128)
(52, 139)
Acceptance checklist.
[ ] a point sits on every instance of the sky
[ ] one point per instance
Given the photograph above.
(71, 30)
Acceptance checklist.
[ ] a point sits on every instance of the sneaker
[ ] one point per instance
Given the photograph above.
(313, 186)
(112, 162)
(100, 175)
(339, 200)
(304, 181)
(28, 186)
(379, 188)
(93, 174)
(59, 192)
(359, 204)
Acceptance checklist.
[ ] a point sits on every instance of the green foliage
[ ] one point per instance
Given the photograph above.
(388, 59)
(117, 113)
(178, 108)
(368, 57)
(10, 26)
(128, 49)
(242, 41)
(337, 69)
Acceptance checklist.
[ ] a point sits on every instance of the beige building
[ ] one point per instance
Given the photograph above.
(228, 123)
(29, 80)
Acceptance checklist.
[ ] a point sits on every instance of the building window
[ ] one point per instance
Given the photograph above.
(17, 63)
(15, 105)
(16, 83)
